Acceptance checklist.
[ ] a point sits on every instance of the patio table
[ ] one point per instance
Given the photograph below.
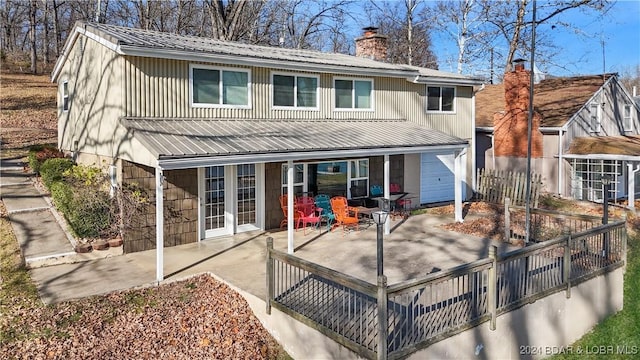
(367, 212)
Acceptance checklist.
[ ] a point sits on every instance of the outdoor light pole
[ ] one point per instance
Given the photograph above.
(380, 218)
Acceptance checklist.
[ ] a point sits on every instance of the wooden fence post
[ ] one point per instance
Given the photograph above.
(507, 220)
(383, 319)
(269, 274)
(492, 286)
(566, 273)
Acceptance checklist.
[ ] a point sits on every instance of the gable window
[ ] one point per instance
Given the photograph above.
(627, 118)
(354, 94)
(594, 117)
(295, 91)
(65, 96)
(219, 87)
(441, 98)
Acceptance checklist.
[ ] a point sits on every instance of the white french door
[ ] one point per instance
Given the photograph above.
(231, 199)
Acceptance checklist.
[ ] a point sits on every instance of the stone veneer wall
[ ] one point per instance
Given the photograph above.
(180, 207)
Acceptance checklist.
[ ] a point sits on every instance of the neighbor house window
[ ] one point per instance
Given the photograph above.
(594, 117)
(627, 118)
(219, 87)
(440, 98)
(295, 91)
(354, 94)
(65, 96)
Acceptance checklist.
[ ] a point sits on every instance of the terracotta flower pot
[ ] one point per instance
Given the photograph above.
(84, 248)
(115, 242)
(101, 244)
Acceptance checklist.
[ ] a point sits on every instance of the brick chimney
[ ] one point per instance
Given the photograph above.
(372, 45)
(510, 127)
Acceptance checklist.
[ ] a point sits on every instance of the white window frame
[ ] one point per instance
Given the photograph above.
(65, 96)
(295, 91)
(353, 97)
(440, 111)
(627, 117)
(221, 69)
(358, 177)
(305, 175)
(597, 118)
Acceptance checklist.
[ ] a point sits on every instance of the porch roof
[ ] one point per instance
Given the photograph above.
(174, 141)
(608, 145)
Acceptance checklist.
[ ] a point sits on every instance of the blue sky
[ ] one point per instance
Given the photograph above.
(581, 51)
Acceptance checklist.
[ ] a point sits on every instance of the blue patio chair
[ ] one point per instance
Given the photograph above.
(376, 191)
(323, 202)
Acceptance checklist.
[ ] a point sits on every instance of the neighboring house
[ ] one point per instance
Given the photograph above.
(584, 128)
(219, 124)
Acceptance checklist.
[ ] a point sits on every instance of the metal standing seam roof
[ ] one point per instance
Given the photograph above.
(186, 138)
(128, 39)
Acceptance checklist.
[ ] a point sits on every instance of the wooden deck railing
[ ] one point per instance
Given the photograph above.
(392, 321)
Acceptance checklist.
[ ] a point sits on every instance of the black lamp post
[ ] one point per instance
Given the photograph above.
(380, 218)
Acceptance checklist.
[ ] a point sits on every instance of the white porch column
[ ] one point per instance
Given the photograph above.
(159, 225)
(457, 183)
(290, 209)
(387, 193)
(631, 190)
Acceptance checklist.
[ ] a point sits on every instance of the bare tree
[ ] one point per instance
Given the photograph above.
(407, 25)
(33, 10)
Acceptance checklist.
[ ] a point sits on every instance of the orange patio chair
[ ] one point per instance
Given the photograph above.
(346, 215)
(297, 215)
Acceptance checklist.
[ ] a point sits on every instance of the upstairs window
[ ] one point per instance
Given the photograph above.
(65, 96)
(595, 122)
(627, 118)
(354, 94)
(441, 98)
(212, 87)
(295, 91)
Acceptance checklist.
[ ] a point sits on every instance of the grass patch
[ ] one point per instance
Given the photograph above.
(622, 329)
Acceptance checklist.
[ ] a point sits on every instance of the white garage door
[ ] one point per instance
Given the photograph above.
(436, 178)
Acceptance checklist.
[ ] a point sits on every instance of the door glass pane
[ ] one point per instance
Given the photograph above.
(214, 197)
(206, 86)
(246, 194)
(363, 94)
(283, 90)
(343, 94)
(235, 87)
(307, 88)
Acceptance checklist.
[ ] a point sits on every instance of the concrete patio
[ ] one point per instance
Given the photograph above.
(415, 247)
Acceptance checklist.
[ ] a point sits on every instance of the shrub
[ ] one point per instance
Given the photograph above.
(89, 212)
(86, 175)
(39, 154)
(62, 196)
(52, 170)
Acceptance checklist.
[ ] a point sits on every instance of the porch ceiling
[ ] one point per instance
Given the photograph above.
(195, 138)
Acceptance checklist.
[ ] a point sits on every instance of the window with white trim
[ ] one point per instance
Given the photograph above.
(595, 123)
(441, 98)
(359, 178)
(216, 87)
(295, 91)
(355, 94)
(627, 117)
(65, 96)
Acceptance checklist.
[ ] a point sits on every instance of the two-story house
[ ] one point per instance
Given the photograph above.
(216, 131)
(584, 128)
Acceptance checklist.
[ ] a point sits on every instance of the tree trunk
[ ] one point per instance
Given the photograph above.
(45, 40)
(33, 8)
(515, 38)
(56, 27)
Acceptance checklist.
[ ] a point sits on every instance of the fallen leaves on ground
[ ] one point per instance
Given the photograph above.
(198, 318)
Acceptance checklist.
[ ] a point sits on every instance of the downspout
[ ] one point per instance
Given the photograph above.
(632, 185)
(560, 178)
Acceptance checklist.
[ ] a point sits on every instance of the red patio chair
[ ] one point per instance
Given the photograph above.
(297, 215)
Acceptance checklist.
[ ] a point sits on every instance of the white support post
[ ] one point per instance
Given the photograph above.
(387, 193)
(290, 225)
(457, 168)
(631, 190)
(159, 225)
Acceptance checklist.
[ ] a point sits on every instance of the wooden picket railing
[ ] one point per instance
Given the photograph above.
(496, 185)
(391, 322)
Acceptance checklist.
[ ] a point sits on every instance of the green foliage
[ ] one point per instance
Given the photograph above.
(52, 170)
(38, 154)
(85, 175)
(62, 196)
(89, 213)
